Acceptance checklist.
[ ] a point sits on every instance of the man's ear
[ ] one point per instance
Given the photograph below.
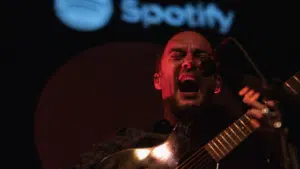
(157, 83)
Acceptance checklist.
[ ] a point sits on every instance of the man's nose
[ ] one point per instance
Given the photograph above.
(190, 63)
(187, 64)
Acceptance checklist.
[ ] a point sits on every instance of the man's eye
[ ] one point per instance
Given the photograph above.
(203, 56)
(177, 55)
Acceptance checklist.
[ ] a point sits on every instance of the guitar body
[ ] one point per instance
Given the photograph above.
(129, 159)
(176, 153)
(139, 159)
(171, 154)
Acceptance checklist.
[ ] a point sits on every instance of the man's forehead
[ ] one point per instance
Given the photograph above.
(189, 40)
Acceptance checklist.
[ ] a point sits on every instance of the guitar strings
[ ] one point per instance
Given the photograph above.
(188, 160)
(202, 162)
(201, 165)
(193, 158)
(198, 153)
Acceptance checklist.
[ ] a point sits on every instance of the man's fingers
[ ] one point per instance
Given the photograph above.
(254, 97)
(257, 105)
(243, 91)
(249, 93)
(254, 123)
(255, 113)
(251, 97)
(270, 103)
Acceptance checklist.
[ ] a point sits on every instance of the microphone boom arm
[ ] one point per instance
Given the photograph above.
(289, 157)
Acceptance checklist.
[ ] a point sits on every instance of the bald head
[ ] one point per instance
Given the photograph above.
(185, 39)
(190, 39)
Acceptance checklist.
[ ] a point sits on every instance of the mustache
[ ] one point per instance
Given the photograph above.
(192, 71)
(207, 68)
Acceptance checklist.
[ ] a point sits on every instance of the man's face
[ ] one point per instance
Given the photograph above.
(181, 75)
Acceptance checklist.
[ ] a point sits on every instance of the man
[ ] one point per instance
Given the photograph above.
(188, 89)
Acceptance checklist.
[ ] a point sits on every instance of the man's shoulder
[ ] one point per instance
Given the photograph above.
(125, 138)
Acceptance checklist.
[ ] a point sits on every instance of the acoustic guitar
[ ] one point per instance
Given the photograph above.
(169, 154)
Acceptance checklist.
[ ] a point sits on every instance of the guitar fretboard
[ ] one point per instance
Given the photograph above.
(230, 138)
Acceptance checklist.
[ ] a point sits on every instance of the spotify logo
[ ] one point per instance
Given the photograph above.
(84, 15)
(92, 15)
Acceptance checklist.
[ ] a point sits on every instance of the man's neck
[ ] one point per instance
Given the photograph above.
(205, 118)
(181, 117)
(184, 116)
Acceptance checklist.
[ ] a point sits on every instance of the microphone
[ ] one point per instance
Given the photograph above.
(221, 47)
(248, 58)
(211, 66)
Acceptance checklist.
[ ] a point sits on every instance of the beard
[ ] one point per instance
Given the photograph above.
(187, 113)
(208, 118)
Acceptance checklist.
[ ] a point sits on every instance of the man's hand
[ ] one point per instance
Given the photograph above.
(255, 113)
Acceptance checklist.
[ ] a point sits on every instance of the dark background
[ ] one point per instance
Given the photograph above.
(38, 45)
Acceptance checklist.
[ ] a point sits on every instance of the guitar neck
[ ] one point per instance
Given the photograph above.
(230, 138)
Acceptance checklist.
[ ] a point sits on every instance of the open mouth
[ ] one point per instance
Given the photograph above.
(188, 86)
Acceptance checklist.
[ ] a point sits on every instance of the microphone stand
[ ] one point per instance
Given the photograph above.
(288, 159)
